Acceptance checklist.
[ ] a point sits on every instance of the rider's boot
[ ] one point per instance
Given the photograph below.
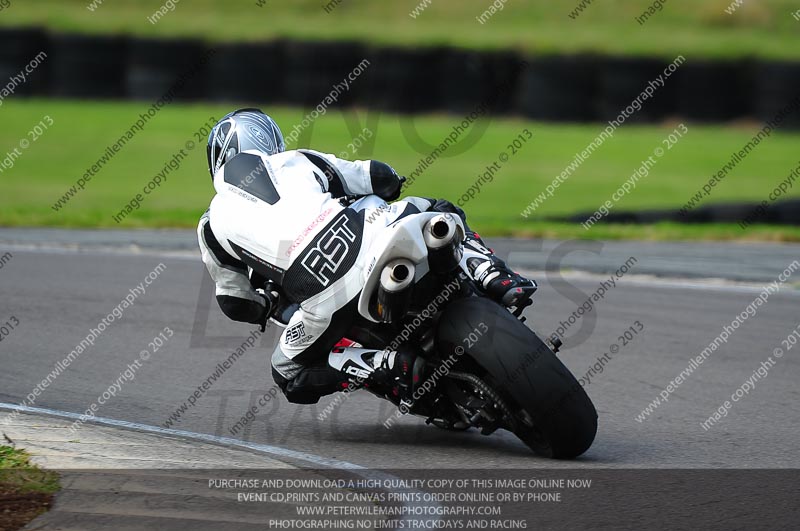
(496, 279)
(398, 372)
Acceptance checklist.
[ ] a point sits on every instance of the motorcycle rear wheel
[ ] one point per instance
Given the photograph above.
(554, 415)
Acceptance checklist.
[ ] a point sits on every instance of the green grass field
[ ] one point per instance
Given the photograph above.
(764, 28)
(19, 475)
(26, 491)
(81, 131)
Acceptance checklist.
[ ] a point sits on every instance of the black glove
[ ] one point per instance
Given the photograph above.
(400, 181)
(386, 184)
(271, 297)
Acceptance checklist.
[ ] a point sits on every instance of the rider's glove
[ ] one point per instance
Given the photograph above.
(271, 299)
(386, 184)
(396, 194)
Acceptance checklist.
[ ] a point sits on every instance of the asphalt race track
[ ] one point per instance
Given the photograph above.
(59, 292)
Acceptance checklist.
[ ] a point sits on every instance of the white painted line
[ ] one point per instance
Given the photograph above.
(227, 441)
(237, 443)
(702, 284)
(131, 250)
(651, 281)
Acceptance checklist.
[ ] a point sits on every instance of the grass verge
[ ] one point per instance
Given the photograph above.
(81, 132)
(26, 491)
(765, 28)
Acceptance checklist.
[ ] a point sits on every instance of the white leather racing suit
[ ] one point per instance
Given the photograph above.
(282, 217)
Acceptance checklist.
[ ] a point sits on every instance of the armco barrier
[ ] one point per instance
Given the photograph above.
(87, 67)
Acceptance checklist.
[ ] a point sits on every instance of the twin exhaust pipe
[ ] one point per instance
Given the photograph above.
(443, 238)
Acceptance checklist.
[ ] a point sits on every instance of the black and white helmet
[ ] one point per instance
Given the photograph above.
(239, 131)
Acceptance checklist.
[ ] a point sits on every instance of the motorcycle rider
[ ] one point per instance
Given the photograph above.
(284, 216)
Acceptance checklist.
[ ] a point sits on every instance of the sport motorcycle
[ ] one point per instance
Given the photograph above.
(480, 365)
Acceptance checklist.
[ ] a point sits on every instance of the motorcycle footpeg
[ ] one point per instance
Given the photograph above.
(521, 308)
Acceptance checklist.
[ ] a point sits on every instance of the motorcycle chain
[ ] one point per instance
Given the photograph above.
(488, 392)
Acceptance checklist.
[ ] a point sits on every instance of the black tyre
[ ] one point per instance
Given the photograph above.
(554, 416)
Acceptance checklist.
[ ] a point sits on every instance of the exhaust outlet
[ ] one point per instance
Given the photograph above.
(444, 240)
(394, 290)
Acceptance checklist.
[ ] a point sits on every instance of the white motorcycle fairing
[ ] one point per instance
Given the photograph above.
(402, 239)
